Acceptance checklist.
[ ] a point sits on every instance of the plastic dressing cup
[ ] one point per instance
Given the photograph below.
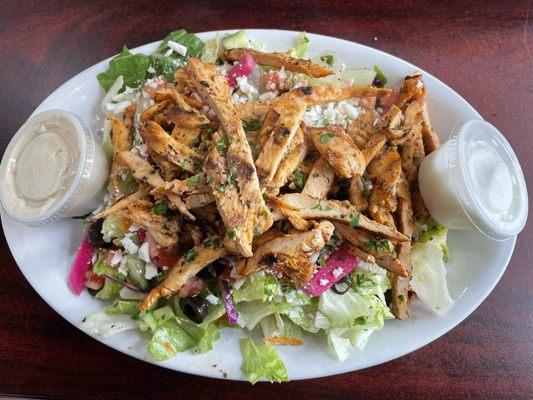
(52, 168)
(474, 181)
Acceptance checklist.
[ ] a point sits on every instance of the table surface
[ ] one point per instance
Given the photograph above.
(481, 49)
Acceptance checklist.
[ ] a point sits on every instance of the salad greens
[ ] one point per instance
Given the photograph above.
(136, 68)
(261, 361)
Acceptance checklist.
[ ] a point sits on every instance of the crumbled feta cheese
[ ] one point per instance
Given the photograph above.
(133, 228)
(122, 96)
(128, 294)
(168, 52)
(122, 267)
(419, 84)
(129, 245)
(164, 268)
(337, 272)
(238, 99)
(238, 283)
(245, 87)
(331, 113)
(117, 257)
(267, 96)
(233, 273)
(93, 258)
(120, 107)
(323, 282)
(144, 252)
(212, 299)
(178, 48)
(150, 270)
(151, 70)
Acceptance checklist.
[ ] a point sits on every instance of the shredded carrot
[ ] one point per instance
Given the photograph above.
(287, 341)
(169, 347)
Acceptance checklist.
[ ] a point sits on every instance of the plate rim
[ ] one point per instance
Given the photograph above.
(209, 373)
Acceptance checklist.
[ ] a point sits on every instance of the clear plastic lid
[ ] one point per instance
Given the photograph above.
(488, 179)
(82, 151)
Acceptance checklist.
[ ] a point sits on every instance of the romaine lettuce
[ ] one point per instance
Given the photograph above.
(429, 272)
(261, 361)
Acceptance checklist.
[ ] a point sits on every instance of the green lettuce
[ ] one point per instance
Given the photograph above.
(261, 361)
(300, 49)
(210, 54)
(128, 307)
(167, 65)
(280, 326)
(349, 319)
(111, 289)
(257, 287)
(429, 271)
(173, 333)
(132, 67)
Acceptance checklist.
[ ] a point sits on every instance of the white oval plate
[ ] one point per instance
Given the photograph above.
(44, 254)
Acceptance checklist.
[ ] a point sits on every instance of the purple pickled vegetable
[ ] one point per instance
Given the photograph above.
(228, 302)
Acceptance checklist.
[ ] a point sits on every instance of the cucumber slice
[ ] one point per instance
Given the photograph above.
(236, 40)
(136, 269)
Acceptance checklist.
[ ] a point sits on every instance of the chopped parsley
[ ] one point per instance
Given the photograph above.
(257, 231)
(221, 145)
(193, 181)
(354, 222)
(299, 179)
(318, 206)
(231, 138)
(326, 137)
(162, 208)
(232, 235)
(190, 256)
(362, 320)
(328, 59)
(184, 165)
(252, 125)
(377, 244)
(214, 243)
(263, 213)
(364, 281)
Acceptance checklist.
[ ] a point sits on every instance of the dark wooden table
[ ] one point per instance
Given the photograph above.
(481, 49)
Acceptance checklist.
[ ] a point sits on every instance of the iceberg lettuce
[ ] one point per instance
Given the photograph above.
(261, 361)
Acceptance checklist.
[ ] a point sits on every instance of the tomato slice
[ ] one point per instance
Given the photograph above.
(162, 256)
(93, 281)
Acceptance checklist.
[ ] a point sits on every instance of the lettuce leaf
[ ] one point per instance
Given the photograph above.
(280, 326)
(167, 65)
(300, 49)
(429, 272)
(262, 361)
(349, 319)
(132, 67)
(257, 287)
(210, 54)
(127, 307)
(100, 323)
(175, 333)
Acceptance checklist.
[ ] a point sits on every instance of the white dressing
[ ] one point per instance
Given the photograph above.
(475, 181)
(52, 168)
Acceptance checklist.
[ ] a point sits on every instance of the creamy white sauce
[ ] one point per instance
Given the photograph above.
(52, 168)
(42, 166)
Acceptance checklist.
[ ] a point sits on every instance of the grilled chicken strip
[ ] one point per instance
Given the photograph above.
(214, 88)
(308, 207)
(163, 230)
(166, 146)
(291, 113)
(320, 179)
(290, 254)
(185, 268)
(381, 250)
(294, 156)
(278, 60)
(338, 148)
